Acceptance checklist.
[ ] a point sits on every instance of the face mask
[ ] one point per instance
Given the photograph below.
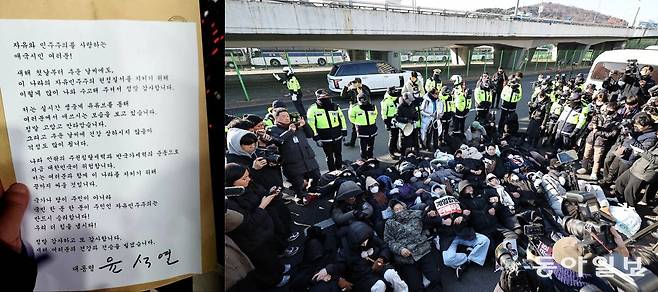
(418, 174)
(398, 183)
(374, 189)
(562, 180)
(365, 243)
(514, 178)
(325, 102)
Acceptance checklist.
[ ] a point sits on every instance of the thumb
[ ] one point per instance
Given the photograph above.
(13, 204)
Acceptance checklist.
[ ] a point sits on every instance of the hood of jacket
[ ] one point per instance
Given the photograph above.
(370, 182)
(233, 137)
(348, 189)
(462, 185)
(358, 233)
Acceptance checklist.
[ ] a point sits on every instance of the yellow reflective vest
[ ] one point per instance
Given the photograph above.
(293, 84)
(482, 95)
(430, 83)
(326, 124)
(388, 106)
(509, 96)
(448, 103)
(361, 117)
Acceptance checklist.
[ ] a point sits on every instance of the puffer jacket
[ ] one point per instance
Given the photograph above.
(448, 233)
(297, 157)
(644, 141)
(257, 227)
(350, 261)
(607, 131)
(479, 205)
(344, 213)
(405, 230)
(646, 167)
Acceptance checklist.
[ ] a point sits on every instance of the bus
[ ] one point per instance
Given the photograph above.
(276, 58)
(431, 55)
(482, 54)
(240, 57)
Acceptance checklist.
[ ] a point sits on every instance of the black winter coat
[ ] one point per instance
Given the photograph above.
(407, 113)
(267, 176)
(349, 262)
(481, 220)
(297, 157)
(257, 227)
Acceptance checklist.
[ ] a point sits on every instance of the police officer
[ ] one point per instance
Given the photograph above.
(449, 111)
(389, 110)
(350, 92)
(484, 93)
(553, 115)
(364, 116)
(434, 81)
(462, 104)
(329, 128)
(499, 81)
(572, 120)
(294, 88)
(511, 95)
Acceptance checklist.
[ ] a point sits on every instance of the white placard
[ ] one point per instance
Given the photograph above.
(103, 125)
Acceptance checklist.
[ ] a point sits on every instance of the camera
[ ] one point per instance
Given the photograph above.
(631, 67)
(517, 275)
(595, 238)
(271, 156)
(294, 118)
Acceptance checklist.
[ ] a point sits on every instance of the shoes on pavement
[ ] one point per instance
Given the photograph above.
(286, 268)
(293, 236)
(289, 252)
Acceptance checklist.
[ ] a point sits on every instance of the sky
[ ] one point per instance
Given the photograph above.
(624, 9)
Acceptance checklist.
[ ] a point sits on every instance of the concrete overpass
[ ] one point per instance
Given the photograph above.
(388, 29)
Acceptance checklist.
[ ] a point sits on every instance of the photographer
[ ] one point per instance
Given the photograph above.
(499, 81)
(256, 234)
(266, 147)
(298, 159)
(605, 127)
(641, 138)
(637, 83)
(642, 172)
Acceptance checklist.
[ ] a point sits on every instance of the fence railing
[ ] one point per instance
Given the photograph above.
(437, 11)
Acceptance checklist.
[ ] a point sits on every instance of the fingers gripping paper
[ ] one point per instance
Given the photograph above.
(102, 118)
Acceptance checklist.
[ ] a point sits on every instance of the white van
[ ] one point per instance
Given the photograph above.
(618, 60)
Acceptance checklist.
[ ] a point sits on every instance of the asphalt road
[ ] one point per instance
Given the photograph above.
(476, 278)
(381, 148)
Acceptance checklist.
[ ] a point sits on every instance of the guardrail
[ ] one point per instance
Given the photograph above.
(435, 11)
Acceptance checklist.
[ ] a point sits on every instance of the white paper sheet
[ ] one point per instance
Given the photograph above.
(107, 108)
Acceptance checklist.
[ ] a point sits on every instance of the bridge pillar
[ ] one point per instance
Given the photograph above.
(510, 58)
(570, 53)
(356, 55)
(391, 57)
(459, 55)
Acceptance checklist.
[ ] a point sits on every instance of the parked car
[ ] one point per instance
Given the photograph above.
(377, 75)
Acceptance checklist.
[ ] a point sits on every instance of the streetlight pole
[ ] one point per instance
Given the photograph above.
(516, 9)
(636, 13)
